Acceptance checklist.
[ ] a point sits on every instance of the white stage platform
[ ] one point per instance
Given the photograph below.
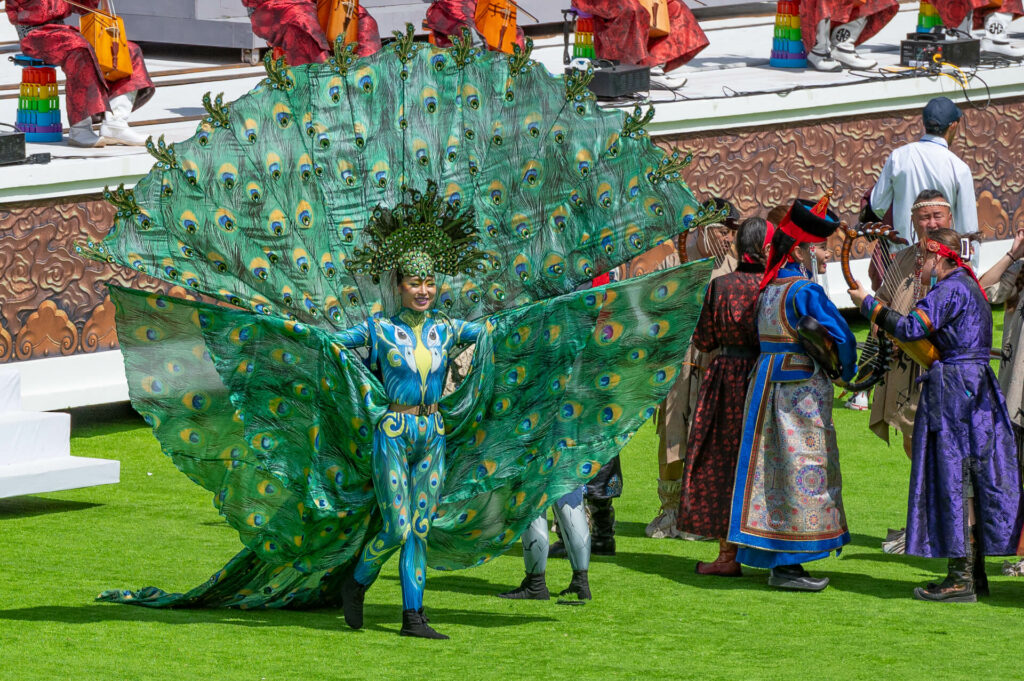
(731, 89)
(35, 447)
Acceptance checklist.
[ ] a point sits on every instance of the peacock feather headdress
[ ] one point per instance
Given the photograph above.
(418, 238)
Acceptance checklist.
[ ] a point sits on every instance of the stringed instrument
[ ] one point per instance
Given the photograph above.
(339, 18)
(104, 31)
(496, 22)
(658, 11)
(921, 351)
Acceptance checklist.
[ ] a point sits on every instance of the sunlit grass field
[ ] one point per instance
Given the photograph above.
(651, 617)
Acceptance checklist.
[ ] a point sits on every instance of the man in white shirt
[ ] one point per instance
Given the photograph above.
(927, 164)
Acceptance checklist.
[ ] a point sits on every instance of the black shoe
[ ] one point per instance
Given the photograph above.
(579, 585)
(795, 578)
(558, 550)
(414, 623)
(352, 594)
(602, 546)
(532, 588)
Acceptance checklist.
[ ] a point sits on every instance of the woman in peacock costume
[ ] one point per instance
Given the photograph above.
(307, 402)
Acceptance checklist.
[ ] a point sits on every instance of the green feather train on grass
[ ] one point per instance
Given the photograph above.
(270, 208)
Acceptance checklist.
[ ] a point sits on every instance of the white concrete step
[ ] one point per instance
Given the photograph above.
(28, 436)
(10, 389)
(54, 475)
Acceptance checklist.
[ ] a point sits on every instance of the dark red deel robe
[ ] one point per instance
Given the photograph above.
(729, 318)
(448, 18)
(87, 92)
(878, 12)
(622, 33)
(293, 26)
(952, 12)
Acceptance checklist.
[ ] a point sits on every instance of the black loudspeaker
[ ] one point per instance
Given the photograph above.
(920, 49)
(12, 147)
(621, 80)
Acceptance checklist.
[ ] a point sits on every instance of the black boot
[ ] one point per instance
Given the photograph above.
(957, 587)
(414, 623)
(579, 585)
(532, 588)
(602, 536)
(980, 577)
(352, 594)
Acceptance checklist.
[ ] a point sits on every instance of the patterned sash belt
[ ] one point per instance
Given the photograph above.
(414, 409)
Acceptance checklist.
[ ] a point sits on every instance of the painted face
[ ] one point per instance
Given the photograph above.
(929, 218)
(417, 293)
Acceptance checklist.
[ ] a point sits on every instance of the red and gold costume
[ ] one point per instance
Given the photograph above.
(88, 93)
(294, 27)
(448, 17)
(622, 33)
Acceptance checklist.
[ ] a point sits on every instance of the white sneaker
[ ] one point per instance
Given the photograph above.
(823, 61)
(81, 135)
(858, 402)
(846, 54)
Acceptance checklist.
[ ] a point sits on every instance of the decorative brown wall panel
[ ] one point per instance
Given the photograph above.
(52, 301)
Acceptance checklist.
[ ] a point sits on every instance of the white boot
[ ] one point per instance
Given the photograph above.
(669, 82)
(81, 134)
(820, 56)
(844, 51)
(115, 129)
(994, 41)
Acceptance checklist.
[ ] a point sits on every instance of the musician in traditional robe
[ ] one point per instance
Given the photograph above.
(676, 412)
(727, 327)
(894, 402)
(965, 486)
(787, 506)
(1003, 284)
(294, 27)
(446, 18)
(992, 17)
(622, 31)
(832, 29)
(89, 98)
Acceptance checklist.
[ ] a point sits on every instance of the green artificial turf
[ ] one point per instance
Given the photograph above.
(651, 618)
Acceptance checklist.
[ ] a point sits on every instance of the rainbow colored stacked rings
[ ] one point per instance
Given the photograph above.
(787, 45)
(39, 104)
(583, 38)
(927, 17)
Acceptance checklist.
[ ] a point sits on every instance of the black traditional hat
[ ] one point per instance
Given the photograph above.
(806, 222)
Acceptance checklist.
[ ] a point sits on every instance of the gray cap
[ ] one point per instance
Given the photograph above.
(941, 112)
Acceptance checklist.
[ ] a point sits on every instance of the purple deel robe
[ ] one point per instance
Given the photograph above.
(962, 431)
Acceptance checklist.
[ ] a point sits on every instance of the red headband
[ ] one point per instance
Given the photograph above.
(768, 234)
(945, 251)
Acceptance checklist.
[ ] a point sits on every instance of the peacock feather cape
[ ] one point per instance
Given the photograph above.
(251, 395)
